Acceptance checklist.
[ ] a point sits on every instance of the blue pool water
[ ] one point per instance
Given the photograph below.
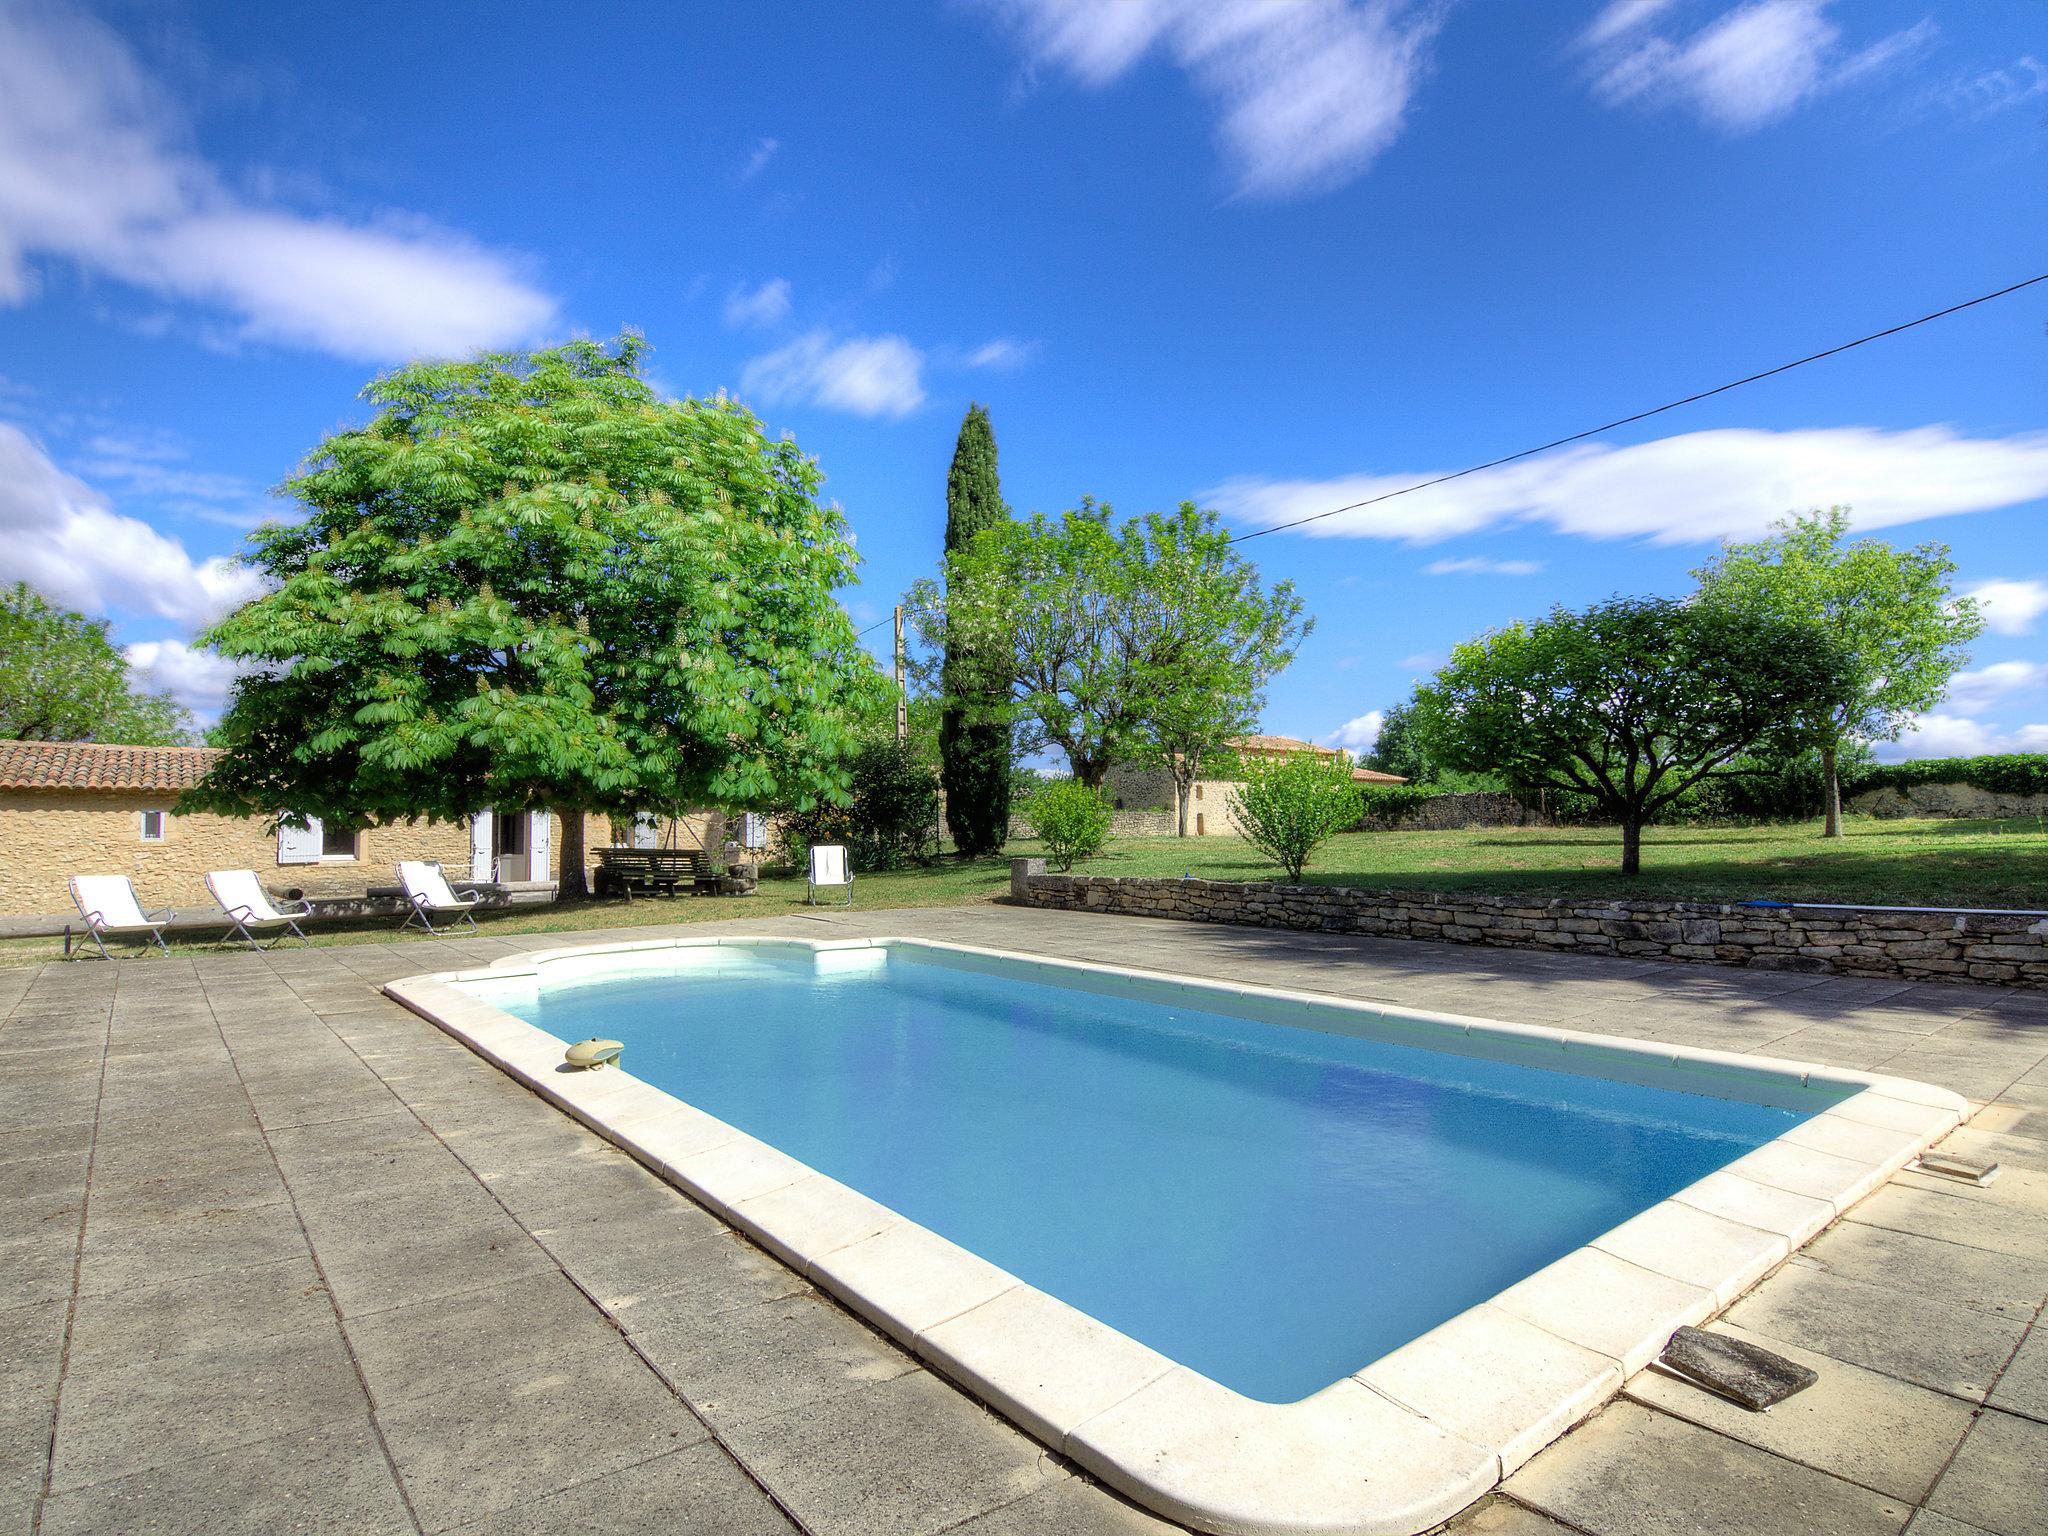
(1273, 1207)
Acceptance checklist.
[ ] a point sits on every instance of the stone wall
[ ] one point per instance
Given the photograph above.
(1445, 813)
(1930, 946)
(1890, 804)
(48, 835)
(1121, 824)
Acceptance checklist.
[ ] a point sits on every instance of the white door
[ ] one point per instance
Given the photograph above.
(538, 856)
(480, 847)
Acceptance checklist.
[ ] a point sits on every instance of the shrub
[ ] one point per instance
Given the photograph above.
(1290, 806)
(1392, 804)
(893, 819)
(1071, 819)
(2010, 773)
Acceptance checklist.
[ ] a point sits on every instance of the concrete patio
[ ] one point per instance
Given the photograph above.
(276, 1256)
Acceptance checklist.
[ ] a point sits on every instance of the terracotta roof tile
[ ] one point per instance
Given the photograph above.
(100, 765)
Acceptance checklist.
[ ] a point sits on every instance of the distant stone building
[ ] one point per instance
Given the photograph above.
(1210, 806)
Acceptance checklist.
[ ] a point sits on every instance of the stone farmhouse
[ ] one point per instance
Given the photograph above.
(90, 808)
(1132, 788)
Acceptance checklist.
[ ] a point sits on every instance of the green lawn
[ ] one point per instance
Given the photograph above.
(1892, 863)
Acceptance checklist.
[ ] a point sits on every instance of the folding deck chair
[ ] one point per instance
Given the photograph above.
(245, 903)
(108, 905)
(427, 894)
(830, 871)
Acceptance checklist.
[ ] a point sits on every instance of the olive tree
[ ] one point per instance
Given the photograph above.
(1631, 702)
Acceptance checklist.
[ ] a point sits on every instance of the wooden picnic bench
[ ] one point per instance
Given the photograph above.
(646, 871)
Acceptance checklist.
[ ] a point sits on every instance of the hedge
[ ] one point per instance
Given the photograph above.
(2008, 773)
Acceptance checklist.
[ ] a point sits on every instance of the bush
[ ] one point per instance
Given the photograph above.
(893, 820)
(1392, 804)
(1290, 806)
(1071, 819)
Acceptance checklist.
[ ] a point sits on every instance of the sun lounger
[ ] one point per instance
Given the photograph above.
(108, 905)
(428, 896)
(245, 903)
(830, 872)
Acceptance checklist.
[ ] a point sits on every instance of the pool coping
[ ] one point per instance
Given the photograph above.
(1398, 1446)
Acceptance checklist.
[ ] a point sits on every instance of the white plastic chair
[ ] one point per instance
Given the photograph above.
(245, 903)
(108, 905)
(830, 871)
(427, 893)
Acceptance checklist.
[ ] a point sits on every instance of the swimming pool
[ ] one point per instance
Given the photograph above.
(1265, 1261)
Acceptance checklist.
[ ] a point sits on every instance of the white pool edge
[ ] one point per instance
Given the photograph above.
(1395, 1448)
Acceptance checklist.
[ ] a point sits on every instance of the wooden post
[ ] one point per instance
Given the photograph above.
(902, 697)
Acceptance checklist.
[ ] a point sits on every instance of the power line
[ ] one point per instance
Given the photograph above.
(1705, 394)
(874, 626)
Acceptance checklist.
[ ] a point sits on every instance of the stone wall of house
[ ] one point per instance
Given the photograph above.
(48, 835)
(1943, 800)
(1121, 824)
(1929, 946)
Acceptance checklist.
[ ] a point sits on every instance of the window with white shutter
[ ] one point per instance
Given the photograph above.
(299, 845)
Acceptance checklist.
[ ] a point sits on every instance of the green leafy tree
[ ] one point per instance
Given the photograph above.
(63, 679)
(1398, 749)
(1117, 636)
(532, 582)
(1288, 807)
(1631, 702)
(1072, 819)
(974, 727)
(1892, 611)
(892, 818)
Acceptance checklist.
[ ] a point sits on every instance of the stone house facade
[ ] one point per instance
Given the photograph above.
(91, 808)
(1211, 805)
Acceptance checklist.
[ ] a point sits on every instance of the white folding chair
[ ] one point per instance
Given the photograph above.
(427, 893)
(244, 903)
(108, 905)
(830, 871)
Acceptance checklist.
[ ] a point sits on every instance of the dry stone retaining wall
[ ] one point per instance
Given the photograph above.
(1889, 804)
(1916, 946)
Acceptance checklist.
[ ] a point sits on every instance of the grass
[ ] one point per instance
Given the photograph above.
(1885, 863)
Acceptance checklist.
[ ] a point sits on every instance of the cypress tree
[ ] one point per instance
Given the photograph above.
(974, 730)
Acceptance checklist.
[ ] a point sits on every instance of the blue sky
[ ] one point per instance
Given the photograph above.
(1273, 257)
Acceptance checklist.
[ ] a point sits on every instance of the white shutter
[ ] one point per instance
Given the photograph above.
(646, 830)
(538, 831)
(754, 831)
(480, 846)
(296, 846)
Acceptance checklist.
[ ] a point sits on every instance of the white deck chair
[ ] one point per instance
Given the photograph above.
(829, 871)
(108, 905)
(427, 893)
(245, 903)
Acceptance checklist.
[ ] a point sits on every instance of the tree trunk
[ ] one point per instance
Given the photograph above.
(572, 886)
(1831, 790)
(1631, 845)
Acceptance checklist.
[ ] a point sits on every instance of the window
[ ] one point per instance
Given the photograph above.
(337, 842)
(1198, 791)
(153, 826)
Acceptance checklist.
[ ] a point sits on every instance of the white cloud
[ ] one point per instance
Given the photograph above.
(757, 161)
(93, 171)
(764, 305)
(1695, 488)
(1750, 66)
(1307, 94)
(1994, 90)
(58, 534)
(1971, 693)
(1422, 661)
(1939, 735)
(865, 375)
(2010, 607)
(1002, 354)
(1479, 565)
(1357, 736)
(150, 466)
(199, 680)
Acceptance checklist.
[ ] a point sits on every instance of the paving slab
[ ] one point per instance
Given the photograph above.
(115, 1329)
(327, 1480)
(1868, 1428)
(1997, 1481)
(691, 1490)
(907, 1457)
(490, 1445)
(1631, 1472)
(1956, 1272)
(2023, 1389)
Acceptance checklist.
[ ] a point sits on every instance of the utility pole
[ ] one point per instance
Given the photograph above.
(902, 697)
